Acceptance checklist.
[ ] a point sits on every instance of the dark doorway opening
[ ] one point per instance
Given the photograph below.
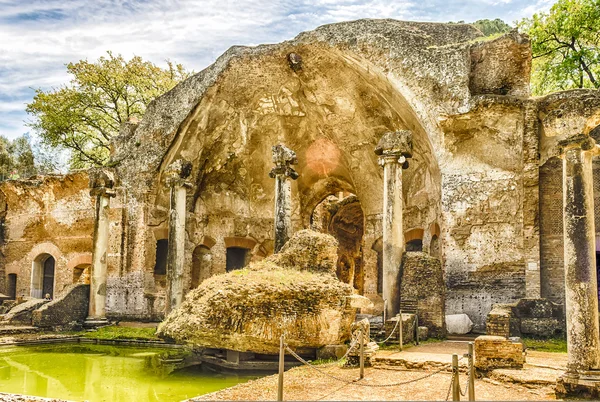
(414, 245)
(12, 286)
(48, 282)
(237, 258)
(162, 249)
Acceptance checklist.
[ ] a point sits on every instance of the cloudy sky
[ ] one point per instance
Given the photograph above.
(38, 37)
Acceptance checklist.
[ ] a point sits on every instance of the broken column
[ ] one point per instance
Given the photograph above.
(176, 174)
(283, 158)
(101, 186)
(581, 290)
(393, 149)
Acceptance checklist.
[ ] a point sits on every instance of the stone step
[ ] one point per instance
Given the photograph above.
(17, 329)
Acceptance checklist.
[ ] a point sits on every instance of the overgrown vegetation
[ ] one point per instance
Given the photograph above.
(555, 345)
(114, 332)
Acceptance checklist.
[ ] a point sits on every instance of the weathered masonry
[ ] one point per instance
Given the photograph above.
(191, 197)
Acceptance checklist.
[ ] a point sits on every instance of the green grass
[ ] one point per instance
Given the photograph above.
(394, 346)
(114, 332)
(555, 345)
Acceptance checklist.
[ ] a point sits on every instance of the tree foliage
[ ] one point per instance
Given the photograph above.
(565, 43)
(492, 27)
(84, 115)
(16, 158)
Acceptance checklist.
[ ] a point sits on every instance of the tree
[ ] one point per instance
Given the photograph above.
(16, 158)
(492, 27)
(84, 115)
(565, 44)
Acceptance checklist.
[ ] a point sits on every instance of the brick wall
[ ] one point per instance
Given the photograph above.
(551, 230)
(71, 307)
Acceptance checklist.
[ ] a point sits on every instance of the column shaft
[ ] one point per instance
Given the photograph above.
(176, 250)
(393, 235)
(283, 210)
(581, 288)
(97, 307)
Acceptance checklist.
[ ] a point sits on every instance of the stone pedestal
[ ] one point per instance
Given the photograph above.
(393, 149)
(283, 158)
(177, 173)
(581, 283)
(101, 183)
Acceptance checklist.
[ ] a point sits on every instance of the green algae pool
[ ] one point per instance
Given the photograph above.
(95, 373)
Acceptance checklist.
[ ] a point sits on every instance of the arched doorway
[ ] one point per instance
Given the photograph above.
(341, 216)
(201, 265)
(42, 276)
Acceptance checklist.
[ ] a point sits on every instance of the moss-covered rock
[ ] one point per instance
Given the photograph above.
(294, 292)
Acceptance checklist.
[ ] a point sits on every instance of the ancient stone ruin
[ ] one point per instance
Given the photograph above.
(393, 137)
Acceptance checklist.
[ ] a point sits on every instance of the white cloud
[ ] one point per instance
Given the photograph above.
(37, 37)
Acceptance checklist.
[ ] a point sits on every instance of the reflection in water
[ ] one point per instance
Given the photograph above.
(104, 373)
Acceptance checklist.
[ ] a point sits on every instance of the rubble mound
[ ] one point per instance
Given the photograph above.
(294, 292)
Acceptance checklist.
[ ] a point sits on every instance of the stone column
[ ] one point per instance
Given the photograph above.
(283, 158)
(101, 184)
(393, 150)
(581, 297)
(176, 173)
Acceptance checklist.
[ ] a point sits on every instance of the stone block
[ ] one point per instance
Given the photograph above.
(329, 352)
(458, 324)
(493, 352)
(423, 333)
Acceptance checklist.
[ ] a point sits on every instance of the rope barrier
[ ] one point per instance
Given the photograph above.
(354, 382)
(391, 333)
(450, 386)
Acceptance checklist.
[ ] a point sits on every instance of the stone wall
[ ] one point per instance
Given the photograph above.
(69, 309)
(46, 216)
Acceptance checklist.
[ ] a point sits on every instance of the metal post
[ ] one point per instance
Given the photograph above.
(400, 329)
(455, 379)
(471, 373)
(362, 354)
(416, 329)
(281, 368)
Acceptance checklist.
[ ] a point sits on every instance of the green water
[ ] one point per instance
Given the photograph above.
(104, 373)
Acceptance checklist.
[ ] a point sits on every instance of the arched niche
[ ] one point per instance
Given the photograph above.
(331, 114)
(42, 276)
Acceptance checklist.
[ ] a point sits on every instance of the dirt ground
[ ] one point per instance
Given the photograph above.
(534, 382)
(303, 383)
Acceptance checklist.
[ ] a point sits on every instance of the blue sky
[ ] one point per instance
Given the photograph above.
(38, 37)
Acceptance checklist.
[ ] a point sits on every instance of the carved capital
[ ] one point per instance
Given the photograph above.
(579, 141)
(101, 182)
(395, 147)
(177, 173)
(284, 158)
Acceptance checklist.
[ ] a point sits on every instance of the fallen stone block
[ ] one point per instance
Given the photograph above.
(458, 324)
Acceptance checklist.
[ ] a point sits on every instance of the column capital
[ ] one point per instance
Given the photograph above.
(395, 147)
(579, 141)
(284, 158)
(177, 173)
(101, 182)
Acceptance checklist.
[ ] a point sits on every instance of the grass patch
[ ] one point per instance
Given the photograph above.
(554, 345)
(115, 332)
(394, 346)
